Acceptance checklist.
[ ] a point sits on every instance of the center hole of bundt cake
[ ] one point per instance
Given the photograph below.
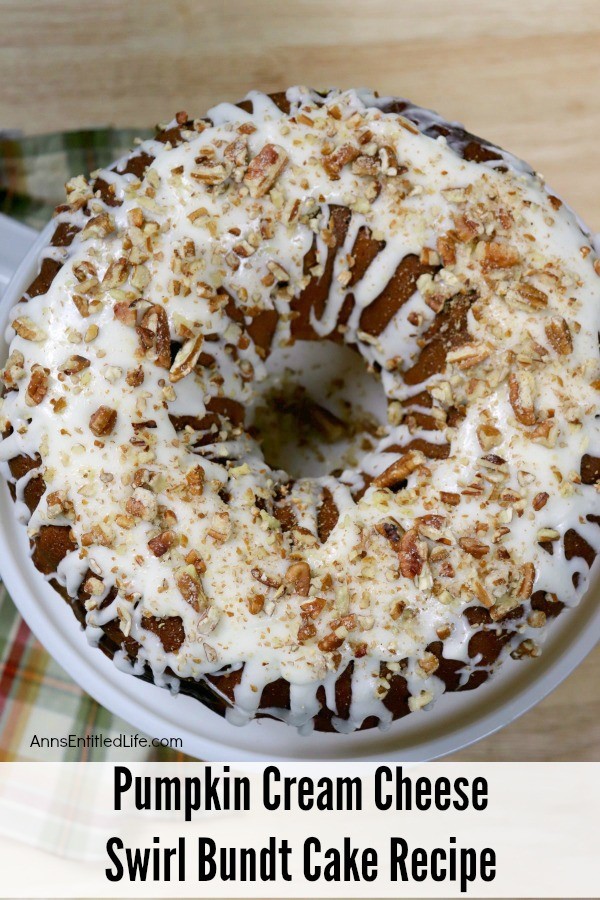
(319, 410)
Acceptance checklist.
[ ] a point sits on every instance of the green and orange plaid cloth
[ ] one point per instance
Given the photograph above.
(37, 698)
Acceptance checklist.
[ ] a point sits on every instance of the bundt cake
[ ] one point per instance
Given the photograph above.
(141, 352)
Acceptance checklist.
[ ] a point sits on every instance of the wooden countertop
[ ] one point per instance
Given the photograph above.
(524, 75)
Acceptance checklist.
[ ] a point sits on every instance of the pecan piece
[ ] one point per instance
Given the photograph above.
(392, 531)
(155, 335)
(190, 589)
(525, 588)
(28, 330)
(446, 248)
(38, 385)
(102, 422)
(488, 436)
(125, 312)
(540, 500)
(330, 643)
(521, 395)
(211, 172)
(74, 365)
(265, 169)
(531, 296)
(335, 162)
(498, 255)
(298, 576)
(412, 554)
(255, 604)
(399, 470)
(468, 355)
(142, 504)
(312, 609)
(306, 631)
(161, 543)
(186, 359)
(265, 579)
(559, 335)
(474, 547)
(450, 498)
(14, 369)
(116, 274)
(98, 226)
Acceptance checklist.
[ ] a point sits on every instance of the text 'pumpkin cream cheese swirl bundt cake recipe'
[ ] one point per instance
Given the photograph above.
(144, 354)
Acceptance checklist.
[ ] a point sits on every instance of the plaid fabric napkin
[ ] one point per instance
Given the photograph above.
(38, 699)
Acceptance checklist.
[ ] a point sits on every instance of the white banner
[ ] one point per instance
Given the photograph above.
(299, 830)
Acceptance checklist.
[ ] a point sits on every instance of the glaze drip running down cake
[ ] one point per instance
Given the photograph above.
(468, 518)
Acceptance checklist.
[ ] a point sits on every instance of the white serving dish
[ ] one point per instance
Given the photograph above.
(455, 721)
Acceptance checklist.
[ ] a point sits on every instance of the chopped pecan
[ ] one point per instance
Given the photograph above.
(474, 547)
(330, 642)
(161, 543)
(531, 296)
(265, 169)
(398, 607)
(335, 162)
(313, 608)
(468, 355)
(155, 335)
(237, 152)
(38, 385)
(82, 305)
(98, 226)
(103, 421)
(94, 587)
(559, 335)
(366, 165)
(99, 535)
(399, 470)
(526, 648)
(429, 663)
(450, 498)
(194, 559)
(220, 527)
(392, 531)
(14, 369)
(298, 575)
(446, 248)
(191, 590)
(525, 588)
(74, 364)
(116, 274)
(521, 392)
(125, 312)
(186, 358)
(306, 631)
(503, 607)
(412, 554)
(498, 255)
(142, 504)
(195, 480)
(255, 604)
(28, 329)
(488, 436)
(135, 377)
(58, 504)
(211, 172)
(545, 433)
(265, 579)
(540, 500)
